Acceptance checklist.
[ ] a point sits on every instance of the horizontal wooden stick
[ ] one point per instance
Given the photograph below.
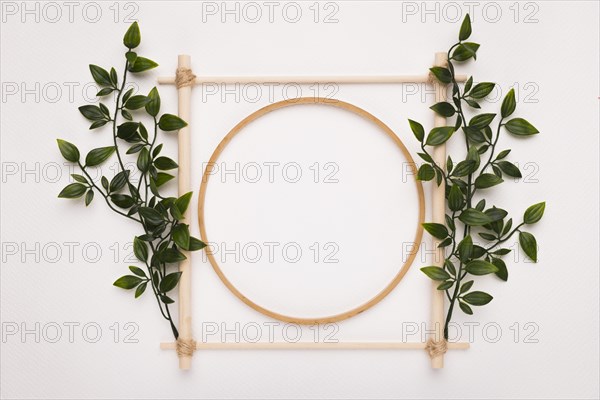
(314, 346)
(170, 80)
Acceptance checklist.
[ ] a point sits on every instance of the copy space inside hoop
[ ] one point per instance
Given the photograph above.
(311, 210)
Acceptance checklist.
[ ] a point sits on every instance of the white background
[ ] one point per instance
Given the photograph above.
(548, 51)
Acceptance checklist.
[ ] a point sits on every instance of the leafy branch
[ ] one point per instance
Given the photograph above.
(468, 177)
(164, 236)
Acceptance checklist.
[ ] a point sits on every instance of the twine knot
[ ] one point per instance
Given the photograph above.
(184, 77)
(185, 347)
(435, 348)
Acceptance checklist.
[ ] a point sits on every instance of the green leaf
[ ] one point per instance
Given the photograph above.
(425, 173)
(477, 298)
(132, 37)
(534, 213)
(79, 178)
(465, 29)
(170, 122)
(93, 113)
(529, 245)
(104, 92)
(98, 124)
(169, 282)
(98, 156)
(465, 248)
(131, 56)
(122, 200)
(183, 202)
(439, 135)
(137, 271)
(196, 244)
(465, 168)
(100, 75)
(417, 130)
(140, 289)
(143, 161)
(89, 196)
(502, 154)
(508, 104)
(474, 217)
(140, 249)
(466, 287)
(463, 52)
(436, 230)
(481, 121)
(485, 181)
(520, 127)
(136, 102)
(444, 109)
(481, 267)
(68, 150)
(153, 105)
(151, 215)
(502, 270)
(113, 77)
(445, 285)
(442, 74)
(482, 89)
(162, 178)
(142, 64)
(72, 191)
(465, 308)
(181, 236)
(436, 273)
(127, 282)
(165, 163)
(172, 256)
(119, 181)
(136, 148)
(509, 169)
(455, 198)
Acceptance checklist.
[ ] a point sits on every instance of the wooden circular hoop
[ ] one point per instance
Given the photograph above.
(293, 102)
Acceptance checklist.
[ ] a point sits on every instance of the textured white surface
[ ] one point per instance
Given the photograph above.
(553, 63)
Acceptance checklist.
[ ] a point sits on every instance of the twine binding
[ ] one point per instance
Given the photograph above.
(184, 77)
(185, 347)
(435, 348)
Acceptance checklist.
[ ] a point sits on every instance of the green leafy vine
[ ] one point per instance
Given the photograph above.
(159, 248)
(463, 257)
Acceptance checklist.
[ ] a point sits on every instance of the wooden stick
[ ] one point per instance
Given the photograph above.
(314, 346)
(184, 143)
(438, 216)
(310, 79)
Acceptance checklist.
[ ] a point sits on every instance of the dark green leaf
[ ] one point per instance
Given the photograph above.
(502, 154)
(502, 270)
(170, 122)
(151, 215)
(165, 163)
(496, 214)
(529, 245)
(181, 236)
(100, 75)
(73, 191)
(136, 148)
(466, 287)
(465, 168)
(98, 156)
(487, 236)
(119, 180)
(465, 308)
(439, 135)
(172, 256)
(435, 273)
(481, 267)
(481, 121)
(140, 249)
(136, 102)
(142, 64)
(196, 244)
(444, 109)
(140, 289)
(183, 202)
(425, 173)
(162, 178)
(127, 282)
(465, 29)
(417, 130)
(68, 150)
(132, 37)
(143, 161)
(477, 298)
(79, 178)
(508, 104)
(456, 199)
(442, 74)
(474, 217)
(137, 271)
(122, 200)
(105, 92)
(153, 105)
(520, 127)
(436, 230)
(445, 285)
(167, 299)
(481, 90)
(465, 248)
(485, 181)
(98, 124)
(93, 113)
(89, 196)
(509, 169)
(534, 213)
(169, 282)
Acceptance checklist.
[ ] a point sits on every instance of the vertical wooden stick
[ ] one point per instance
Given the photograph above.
(438, 216)
(185, 283)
